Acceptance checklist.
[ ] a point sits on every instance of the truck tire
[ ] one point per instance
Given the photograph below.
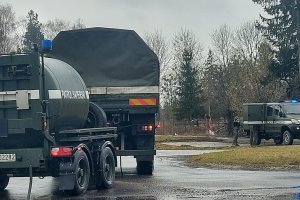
(4, 180)
(288, 138)
(106, 175)
(255, 138)
(96, 117)
(82, 173)
(278, 140)
(145, 167)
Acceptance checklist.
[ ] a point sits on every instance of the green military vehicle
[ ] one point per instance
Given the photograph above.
(122, 76)
(68, 111)
(277, 121)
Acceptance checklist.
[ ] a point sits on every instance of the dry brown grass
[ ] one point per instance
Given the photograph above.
(181, 138)
(162, 146)
(275, 156)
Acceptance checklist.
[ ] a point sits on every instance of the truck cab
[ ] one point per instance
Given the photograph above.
(277, 121)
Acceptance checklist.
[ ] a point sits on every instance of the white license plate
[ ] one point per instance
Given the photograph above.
(7, 157)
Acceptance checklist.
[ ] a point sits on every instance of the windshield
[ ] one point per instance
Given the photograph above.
(292, 109)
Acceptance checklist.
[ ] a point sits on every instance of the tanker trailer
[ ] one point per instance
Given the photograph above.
(46, 127)
(122, 76)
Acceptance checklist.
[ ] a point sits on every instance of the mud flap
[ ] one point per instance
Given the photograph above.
(66, 176)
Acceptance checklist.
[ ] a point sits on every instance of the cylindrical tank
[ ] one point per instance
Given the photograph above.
(67, 94)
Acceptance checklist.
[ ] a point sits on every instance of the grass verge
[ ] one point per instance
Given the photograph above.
(160, 141)
(249, 157)
(182, 138)
(162, 146)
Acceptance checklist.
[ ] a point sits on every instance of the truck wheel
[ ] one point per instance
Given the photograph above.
(144, 167)
(288, 138)
(107, 169)
(96, 117)
(278, 140)
(82, 173)
(256, 138)
(4, 180)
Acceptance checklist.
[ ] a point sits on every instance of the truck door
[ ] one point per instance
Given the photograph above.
(273, 119)
(277, 120)
(269, 123)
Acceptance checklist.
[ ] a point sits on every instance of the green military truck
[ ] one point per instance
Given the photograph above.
(44, 110)
(70, 110)
(121, 73)
(277, 121)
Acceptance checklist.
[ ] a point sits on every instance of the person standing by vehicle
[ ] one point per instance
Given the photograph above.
(236, 128)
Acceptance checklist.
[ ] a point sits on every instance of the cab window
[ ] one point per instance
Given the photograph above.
(277, 110)
(269, 110)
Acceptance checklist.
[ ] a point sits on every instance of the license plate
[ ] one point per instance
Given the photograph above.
(7, 157)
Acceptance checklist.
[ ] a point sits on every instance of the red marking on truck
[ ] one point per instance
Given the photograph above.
(142, 102)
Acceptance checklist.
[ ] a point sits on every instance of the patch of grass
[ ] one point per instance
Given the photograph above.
(276, 156)
(181, 138)
(162, 146)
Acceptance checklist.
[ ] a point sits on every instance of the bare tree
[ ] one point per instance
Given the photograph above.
(52, 27)
(79, 24)
(247, 42)
(222, 40)
(158, 43)
(7, 29)
(21, 25)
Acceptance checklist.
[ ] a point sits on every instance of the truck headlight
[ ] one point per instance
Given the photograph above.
(295, 121)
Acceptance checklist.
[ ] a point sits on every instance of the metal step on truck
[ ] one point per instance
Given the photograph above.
(56, 119)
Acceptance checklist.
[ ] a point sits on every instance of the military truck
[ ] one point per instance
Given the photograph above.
(122, 76)
(70, 110)
(277, 121)
(44, 129)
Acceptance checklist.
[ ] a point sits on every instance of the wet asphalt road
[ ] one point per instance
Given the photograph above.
(173, 179)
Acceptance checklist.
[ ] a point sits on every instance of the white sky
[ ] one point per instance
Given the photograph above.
(168, 16)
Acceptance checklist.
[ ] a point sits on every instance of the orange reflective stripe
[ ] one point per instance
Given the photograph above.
(142, 102)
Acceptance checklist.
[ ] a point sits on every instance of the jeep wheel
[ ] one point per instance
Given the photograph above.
(278, 140)
(288, 138)
(3, 182)
(255, 138)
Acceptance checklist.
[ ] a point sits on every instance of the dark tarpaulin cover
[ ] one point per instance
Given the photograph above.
(107, 57)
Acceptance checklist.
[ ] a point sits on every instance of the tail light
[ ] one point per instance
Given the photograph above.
(61, 151)
(145, 128)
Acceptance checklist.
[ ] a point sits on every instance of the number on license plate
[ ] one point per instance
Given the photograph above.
(7, 157)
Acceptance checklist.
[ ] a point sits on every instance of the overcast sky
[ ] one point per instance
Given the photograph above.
(199, 16)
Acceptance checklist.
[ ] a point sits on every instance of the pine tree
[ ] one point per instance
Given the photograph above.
(33, 34)
(281, 31)
(213, 81)
(189, 98)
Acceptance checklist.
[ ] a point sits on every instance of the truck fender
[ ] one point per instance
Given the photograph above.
(284, 128)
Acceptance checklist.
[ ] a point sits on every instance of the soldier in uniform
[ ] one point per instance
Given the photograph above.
(236, 128)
